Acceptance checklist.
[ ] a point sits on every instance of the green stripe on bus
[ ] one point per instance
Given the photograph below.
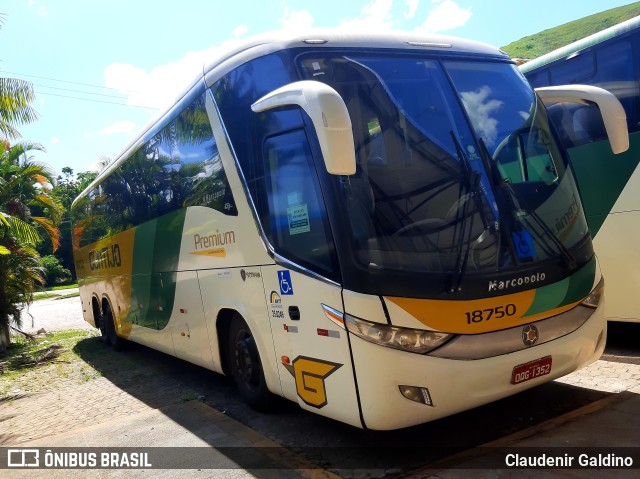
(581, 283)
(549, 297)
(570, 290)
(156, 250)
(602, 176)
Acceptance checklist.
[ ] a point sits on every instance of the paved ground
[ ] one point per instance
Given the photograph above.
(82, 413)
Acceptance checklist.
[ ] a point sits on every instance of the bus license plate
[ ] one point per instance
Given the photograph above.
(531, 370)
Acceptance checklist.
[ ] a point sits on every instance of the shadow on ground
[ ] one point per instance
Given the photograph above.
(160, 380)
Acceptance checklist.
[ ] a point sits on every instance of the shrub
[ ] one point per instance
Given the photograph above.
(54, 272)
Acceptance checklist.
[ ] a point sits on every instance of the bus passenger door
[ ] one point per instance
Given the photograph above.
(188, 327)
(312, 348)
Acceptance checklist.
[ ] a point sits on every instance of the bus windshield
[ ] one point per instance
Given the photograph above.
(457, 172)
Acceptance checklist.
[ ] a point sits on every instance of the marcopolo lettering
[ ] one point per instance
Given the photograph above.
(500, 285)
(108, 257)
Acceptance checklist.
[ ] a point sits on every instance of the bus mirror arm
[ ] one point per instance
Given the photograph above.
(613, 115)
(330, 119)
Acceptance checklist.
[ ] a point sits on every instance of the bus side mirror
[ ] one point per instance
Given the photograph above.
(613, 115)
(329, 116)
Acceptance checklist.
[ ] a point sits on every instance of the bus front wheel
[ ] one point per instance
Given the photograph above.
(246, 366)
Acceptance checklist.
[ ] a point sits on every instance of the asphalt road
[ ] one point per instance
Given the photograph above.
(54, 314)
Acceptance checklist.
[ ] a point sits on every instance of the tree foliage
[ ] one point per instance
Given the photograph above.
(28, 214)
(53, 270)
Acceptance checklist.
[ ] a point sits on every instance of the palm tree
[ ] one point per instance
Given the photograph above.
(28, 213)
(15, 104)
(15, 109)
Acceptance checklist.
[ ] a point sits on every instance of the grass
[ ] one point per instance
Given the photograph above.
(47, 295)
(63, 286)
(536, 45)
(32, 366)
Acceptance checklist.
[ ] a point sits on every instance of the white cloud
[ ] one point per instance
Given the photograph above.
(54, 140)
(447, 15)
(480, 108)
(412, 6)
(375, 16)
(296, 19)
(156, 88)
(41, 11)
(240, 30)
(117, 128)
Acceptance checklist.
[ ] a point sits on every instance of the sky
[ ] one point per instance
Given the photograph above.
(102, 69)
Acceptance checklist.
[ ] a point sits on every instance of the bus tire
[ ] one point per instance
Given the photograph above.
(246, 366)
(113, 339)
(98, 319)
(103, 329)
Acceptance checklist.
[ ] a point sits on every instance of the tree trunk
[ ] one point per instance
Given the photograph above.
(5, 339)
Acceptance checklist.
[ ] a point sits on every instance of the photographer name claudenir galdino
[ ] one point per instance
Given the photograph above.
(568, 460)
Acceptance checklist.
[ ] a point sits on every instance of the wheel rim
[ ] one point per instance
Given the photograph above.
(247, 364)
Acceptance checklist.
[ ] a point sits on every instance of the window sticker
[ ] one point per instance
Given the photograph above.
(298, 216)
(523, 242)
(294, 198)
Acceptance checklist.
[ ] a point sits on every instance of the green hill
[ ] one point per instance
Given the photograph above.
(546, 41)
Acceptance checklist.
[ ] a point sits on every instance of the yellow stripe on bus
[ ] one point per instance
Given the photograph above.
(474, 316)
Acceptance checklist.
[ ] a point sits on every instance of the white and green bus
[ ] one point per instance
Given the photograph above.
(381, 228)
(609, 186)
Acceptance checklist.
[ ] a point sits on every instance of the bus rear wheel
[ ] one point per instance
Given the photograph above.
(246, 366)
(113, 339)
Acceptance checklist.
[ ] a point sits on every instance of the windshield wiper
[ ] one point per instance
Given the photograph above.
(471, 184)
(568, 258)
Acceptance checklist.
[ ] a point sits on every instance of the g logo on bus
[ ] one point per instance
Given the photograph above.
(310, 375)
(530, 335)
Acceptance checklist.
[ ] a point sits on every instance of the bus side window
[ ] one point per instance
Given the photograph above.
(298, 226)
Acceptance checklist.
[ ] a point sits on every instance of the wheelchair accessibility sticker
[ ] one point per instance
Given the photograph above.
(286, 286)
(523, 243)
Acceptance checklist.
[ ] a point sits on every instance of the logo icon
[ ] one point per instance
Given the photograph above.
(275, 299)
(23, 458)
(243, 275)
(284, 278)
(530, 335)
(310, 375)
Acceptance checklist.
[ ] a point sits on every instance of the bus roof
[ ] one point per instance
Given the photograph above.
(239, 52)
(332, 38)
(586, 42)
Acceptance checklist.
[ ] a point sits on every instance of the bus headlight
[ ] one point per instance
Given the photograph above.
(595, 296)
(413, 340)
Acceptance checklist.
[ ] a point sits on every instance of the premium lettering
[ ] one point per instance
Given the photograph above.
(214, 240)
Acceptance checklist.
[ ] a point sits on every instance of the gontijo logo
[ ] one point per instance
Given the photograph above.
(108, 257)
